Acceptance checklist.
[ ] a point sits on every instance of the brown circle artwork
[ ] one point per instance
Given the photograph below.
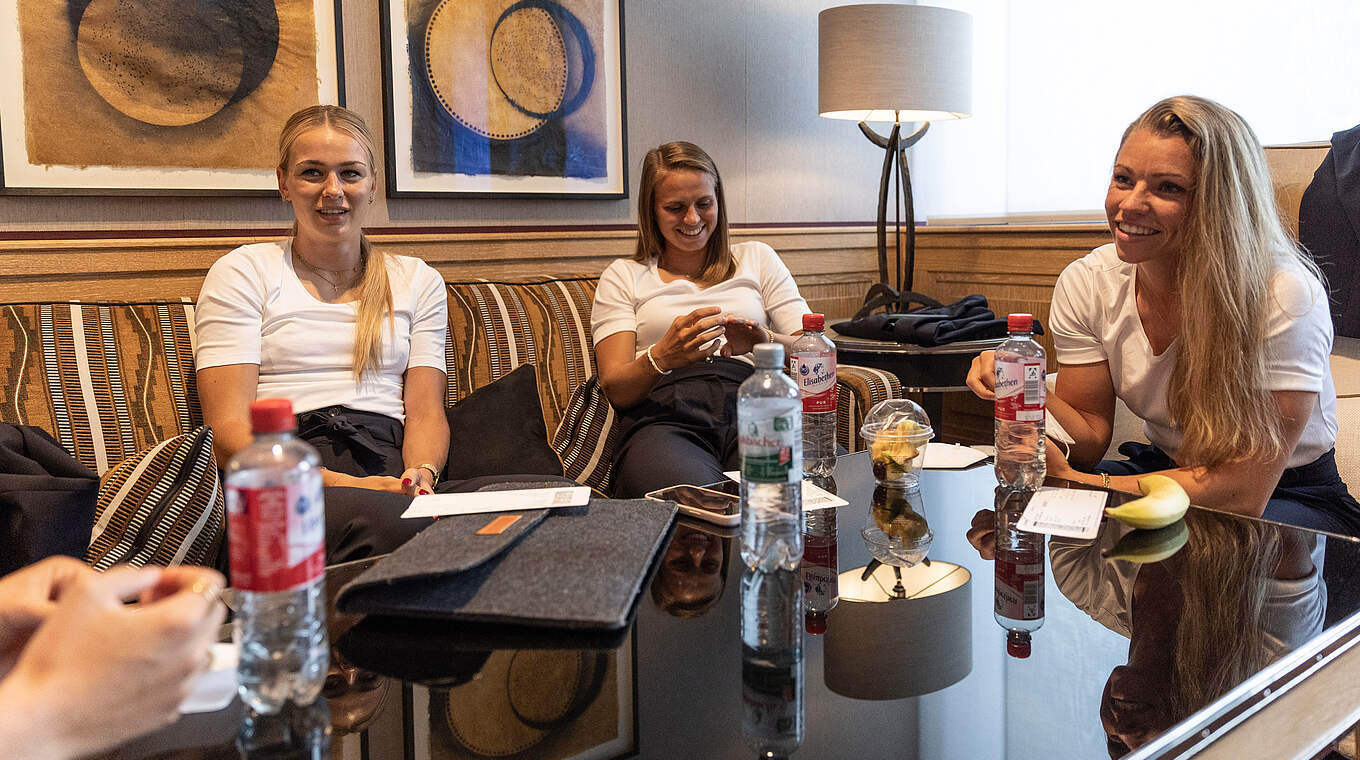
(175, 62)
(527, 58)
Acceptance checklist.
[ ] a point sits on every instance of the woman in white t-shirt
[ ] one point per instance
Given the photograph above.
(1208, 321)
(667, 323)
(352, 336)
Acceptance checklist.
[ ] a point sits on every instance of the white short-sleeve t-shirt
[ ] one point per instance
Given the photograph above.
(632, 297)
(1094, 318)
(254, 310)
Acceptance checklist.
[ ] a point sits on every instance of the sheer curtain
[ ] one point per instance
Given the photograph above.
(1056, 82)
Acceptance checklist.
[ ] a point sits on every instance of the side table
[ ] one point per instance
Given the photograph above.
(929, 370)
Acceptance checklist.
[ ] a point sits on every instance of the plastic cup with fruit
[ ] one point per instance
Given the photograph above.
(896, 432)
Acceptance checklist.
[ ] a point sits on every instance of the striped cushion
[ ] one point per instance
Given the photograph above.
(163, 506)
(496, 326)
(587, 438)
(858, 389)
(106, 379)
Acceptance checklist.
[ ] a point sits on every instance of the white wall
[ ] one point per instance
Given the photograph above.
(1056, 82)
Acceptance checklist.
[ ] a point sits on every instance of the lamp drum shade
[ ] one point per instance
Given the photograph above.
(879, 648)
(894, 63)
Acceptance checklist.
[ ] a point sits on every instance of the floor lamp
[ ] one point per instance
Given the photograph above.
(894, 63)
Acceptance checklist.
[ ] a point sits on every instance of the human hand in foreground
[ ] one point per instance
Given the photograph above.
(685, 339)
(1055, 462)
(982, 376)
(983, 533)
(27, 597)
(98, 672)
(742, 335)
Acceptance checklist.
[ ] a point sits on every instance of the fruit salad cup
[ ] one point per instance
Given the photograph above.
(896, 432)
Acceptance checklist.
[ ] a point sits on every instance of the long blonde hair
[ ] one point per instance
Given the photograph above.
(718, 262)
(375, 294)
(1234, 245)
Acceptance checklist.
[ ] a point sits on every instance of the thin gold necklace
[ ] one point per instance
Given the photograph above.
(338, 287)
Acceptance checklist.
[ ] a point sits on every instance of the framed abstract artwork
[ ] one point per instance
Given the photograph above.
(504, 97)
(151, 97)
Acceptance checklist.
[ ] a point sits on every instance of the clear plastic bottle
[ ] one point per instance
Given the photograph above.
(820, 568)
(770, 440)
(277, 530)
(812, 363)
(1020, 397)
(771, 662)
(1019, 589)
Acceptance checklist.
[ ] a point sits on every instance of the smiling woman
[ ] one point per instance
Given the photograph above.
(353, 337)
(1208, 321)
(667, 323)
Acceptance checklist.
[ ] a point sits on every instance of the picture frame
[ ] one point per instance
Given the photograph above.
(504, 98)
(599, 725)
(156, 97)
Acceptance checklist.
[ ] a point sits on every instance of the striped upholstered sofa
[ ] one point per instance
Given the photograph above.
(109, 380)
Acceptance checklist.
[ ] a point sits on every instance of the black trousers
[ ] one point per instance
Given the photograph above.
(1309, 496)
(361, 522)
(684, 431)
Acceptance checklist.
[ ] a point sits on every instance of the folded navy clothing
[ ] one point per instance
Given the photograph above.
(965, 319)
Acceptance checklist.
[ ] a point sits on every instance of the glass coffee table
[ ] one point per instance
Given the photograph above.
(1137, 647)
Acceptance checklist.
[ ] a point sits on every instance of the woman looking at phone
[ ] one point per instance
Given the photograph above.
(1208, 321)
(667, 322)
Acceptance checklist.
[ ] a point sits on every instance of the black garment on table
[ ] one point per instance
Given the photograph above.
(965, 319)
(1329, 227)
(683, 431)
(47, 498)
(1310, 496)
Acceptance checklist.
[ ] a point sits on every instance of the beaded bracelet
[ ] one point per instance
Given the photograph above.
(1104, 480)
(434, 474)
(652, 361)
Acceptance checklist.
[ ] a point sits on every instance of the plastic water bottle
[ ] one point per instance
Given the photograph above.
(1019, 589)
(1020, 396)
(820, 568)
(770, 441)
(812, 363)
(277, 533)
(771, 663)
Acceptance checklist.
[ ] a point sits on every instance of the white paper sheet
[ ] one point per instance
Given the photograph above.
(441, 504)
(215, 688)
(951, 456)
(1064, 512)
(814, 497)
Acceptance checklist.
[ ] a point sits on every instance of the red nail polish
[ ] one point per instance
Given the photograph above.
(406, 481)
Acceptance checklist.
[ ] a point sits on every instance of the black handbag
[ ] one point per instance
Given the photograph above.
(47, 498)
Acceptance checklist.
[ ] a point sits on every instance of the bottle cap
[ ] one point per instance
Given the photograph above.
(1020, 322)
(272, 415)
(768, 355)
(1017, 644)
(814, 322)
(815, 622)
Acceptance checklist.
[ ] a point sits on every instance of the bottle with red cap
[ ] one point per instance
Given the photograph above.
(276, 527)
(1020, 397)
(1019, 586)
(812, 364)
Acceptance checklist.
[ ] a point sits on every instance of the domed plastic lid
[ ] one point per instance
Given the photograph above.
(1017, 644)
(897, 417)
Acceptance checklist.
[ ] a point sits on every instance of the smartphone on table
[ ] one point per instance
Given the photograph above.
(703, 503)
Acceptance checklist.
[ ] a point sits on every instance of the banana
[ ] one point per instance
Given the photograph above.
(1163, 502)
(1148, 546)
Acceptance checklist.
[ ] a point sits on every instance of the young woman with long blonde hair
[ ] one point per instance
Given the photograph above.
(1208, 321)
(353, 337)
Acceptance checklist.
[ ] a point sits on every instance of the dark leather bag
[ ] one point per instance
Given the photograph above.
(47, 498)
